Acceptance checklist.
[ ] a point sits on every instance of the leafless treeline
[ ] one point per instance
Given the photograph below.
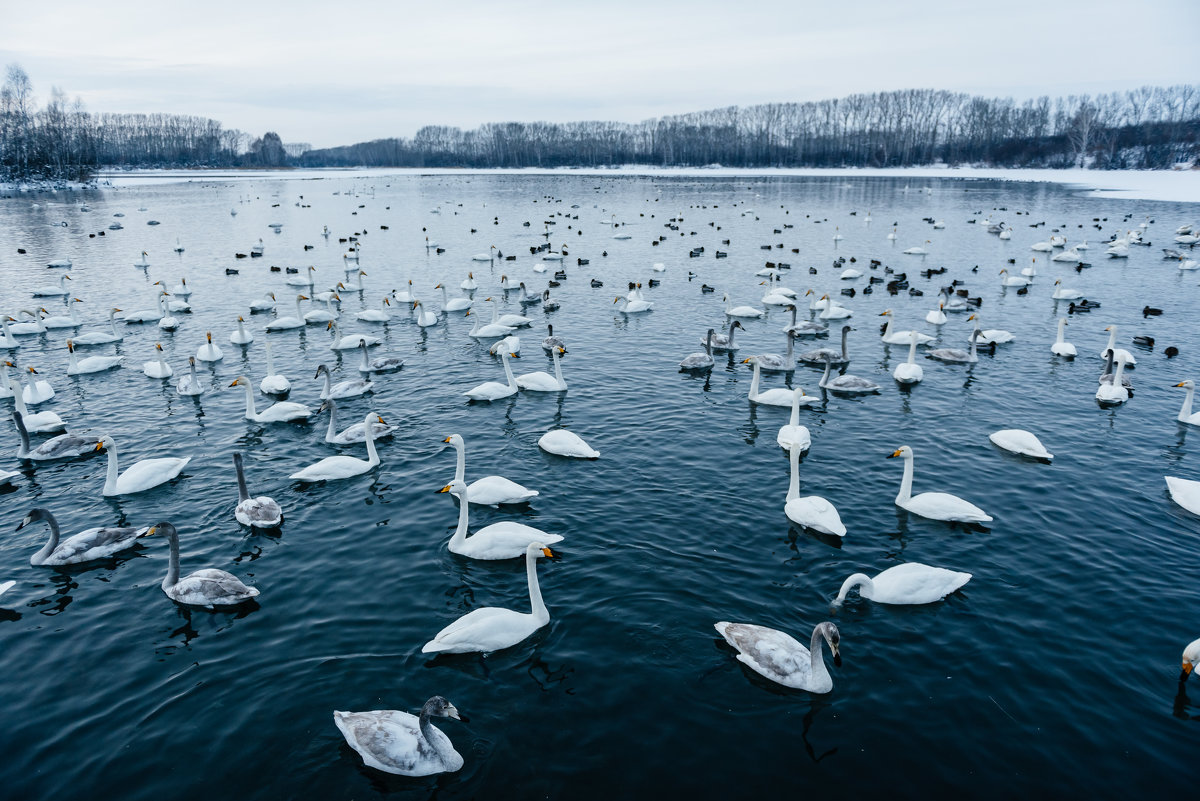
(1151, 127)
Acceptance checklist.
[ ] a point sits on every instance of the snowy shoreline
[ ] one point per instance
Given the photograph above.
(1181, 186)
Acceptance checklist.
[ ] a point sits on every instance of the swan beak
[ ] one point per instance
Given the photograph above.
(547, 552)
(894, 454)
(616, 300)
(445, 489)
(1187, 671)
(452, 712)
(447, 439)
(380, 419)
(234, 384)
(513, 355)
(1181, 383)
(837, 657)
(99, 446)
(151, 531)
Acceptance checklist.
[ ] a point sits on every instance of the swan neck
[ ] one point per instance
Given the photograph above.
(824, 382)
(820, 674)
(464, 520)
(558, 366)
(331, 432)
(460, 468)
(794, 480)
(270, 361)
(369, 430)
(1062, 324)
(540, 613)
(24, 432)
(857, 580)
(110, 479)
(846, 333)
(243, 492)
(906, 484)
(47, 549)
(251, 411)
(172, 577)
(1184, 413)
(512, 382)
(912, 350)
(794, 420)
(754, 381)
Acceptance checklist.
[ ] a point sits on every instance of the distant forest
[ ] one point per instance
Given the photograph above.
(1146, 128)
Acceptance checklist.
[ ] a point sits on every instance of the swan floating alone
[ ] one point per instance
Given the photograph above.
(86, 546)
(909, 583)
(780, 658)
(1019, 441)
(336, 467)
(141, 475)
(494, 628)
(208, 588)
(811, 511)
(397, 742)
(1185, 412)
(489, 490)
(503, 540)
(260, 512)
(934, 505)
(566, 443)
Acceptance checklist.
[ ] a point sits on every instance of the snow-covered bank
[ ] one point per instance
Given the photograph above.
(1182, 186)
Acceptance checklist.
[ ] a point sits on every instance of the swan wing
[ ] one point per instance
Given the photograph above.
(485, 630)
(332, 467)
(149, 473)
(94, 543)
(1185, 493)
(493, 490)
(538, 382)
(944, 506)
(261, 511)
(816, 513)
(211, 587)
(505, 540)
(769, 652)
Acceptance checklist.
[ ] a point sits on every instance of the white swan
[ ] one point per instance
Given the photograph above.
(1185, 493)
(305, 280)
(987, 336)
(453, 304)
(510, 344)
(209, 352)
(281, 412)
(1061, 347)
(86, 546)
(1013, 280)
(910, 583)
(503, 540)
(493, 390)
(91, 364)
(241, 336)
(909, 372)
(36, 390)
(811, 511)
(937, 316)
(426, 318)
(934, 505)
(100, 337)
(741, 311)
(378, 364)
(542, 381)
(834, 311)
(469, 283)
(489, 490)
(891, 337)
(404, 295)
(1115, 391)
(273, 383)
(379, 315)
(567, 443)
(1118, 353)
(794, 435)
(335, 467)
(777, 656)
(494, 628)
(70, 320)
(141, 475)
(349, 388)
(264, 304)
(290, 322)
(1191, 657)
(1021, 442)
(260, 512)
(349, 341)
(53, 290)
(353, 434)
(318, 316)
(634, 306)
(397, 742)
(35, 422)
(1185, 412)
(64, 446)
(206, 588)
(771, 397)
(190, 383)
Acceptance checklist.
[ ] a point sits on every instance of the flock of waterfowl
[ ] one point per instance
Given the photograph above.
(397, 742)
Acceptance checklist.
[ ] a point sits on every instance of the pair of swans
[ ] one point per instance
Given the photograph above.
(208, 588)
(489, 490)
(934, 505)
(273, 383)
(1115, 390)
(355, 433)
(87, 546)
(794, 435)
(772, 397)
(281, 412)
(336, 467)
(397, 742)
(139, 476)
(503, 540)
(1119, 353)
(494, 628)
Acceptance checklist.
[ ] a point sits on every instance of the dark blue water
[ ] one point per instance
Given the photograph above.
(1053, 671)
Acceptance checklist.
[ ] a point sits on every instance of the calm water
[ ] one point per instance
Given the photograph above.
(1054, 671)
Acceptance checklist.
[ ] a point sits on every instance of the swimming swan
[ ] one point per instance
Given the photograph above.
(86, 546)
(503, 540)
(794, 435)
(909, 583)
(934, 505)
(334, 467)
(492, 390)
(397, 742)
(489, 490)
(260, 512)
(281, 412)
(141, 475)
(1021, 442)
(777, 656)
(208, 588)
(811, 511)
(1185, 412)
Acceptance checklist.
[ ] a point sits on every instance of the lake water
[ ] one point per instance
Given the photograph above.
(1053, 672)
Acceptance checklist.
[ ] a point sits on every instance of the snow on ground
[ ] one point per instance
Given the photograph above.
(1181, 186)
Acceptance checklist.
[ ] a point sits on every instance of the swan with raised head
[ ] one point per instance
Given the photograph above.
(493, 390)
(834, 311)
(489, 490)
(355, 433)
(141, 475)
(290, 322)
(90, 364)
(1061, 347)
(1185, 412)
(379, 315)
(988, 336)
(780, 658)
(397, 742)
(909, 372)
(260, 512)
(696, 362)
(494, 628)
(450, 304)
(740, 311)
(911, 583)
(846, 384)
(503, 540)
(937, 316)
(794, 435)
(281, 412)
(934, 505)
(58, 321)
(303, 280)
(1118, 353)
(1115, 391)
(770, 397)
(550, 341)
(349, 341)
(811, 511)
(64, 446)
(561, 442)
(776, 363)
(510, 344)
(206, 588)
(273, 383)
(1013, 280)
(208, 352)
(100, 337)
(378, 364)
(241, 336)
(805, 328)
(1062, 293)
(957, 355)
(349, 388)
(426, 318)
(1020, 442)
(86, 546)
(36, 390)
(58, 290)
(190, 383)
(723, 343)
(482, 330)
(35, 422)
(890, 337)
(541, 381)
(335, 467)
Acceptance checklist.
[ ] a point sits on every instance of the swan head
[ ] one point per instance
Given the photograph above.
(834, 638)
(31, 370)
(44, 514)
(164, 528)
(440, 707)
(752, 359)
(539, 550)
(457, 442)
(239, 381)
(1191, 656)
(321, 369)
(886, 313)
(105, 442)
(439, 286)
(302, 297)
(903, 451)
(456, 488)
(71, 345)
(972, 317)
(209, 335)
(192, 361)
(1189, 384)
(158, 346)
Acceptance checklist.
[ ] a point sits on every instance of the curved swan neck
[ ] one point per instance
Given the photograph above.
(887, 332)
(558, 365)
(243, 492)
(460, 468)
(824, 382)
(464, 520)
(857, 580)
(540, 613)
(906, 484)
(1184, 413)
(794, 480)
(820, 674)
(512, 382)
(51, 544)
(369, 430)
(23, 432)
(332, 430)
(110, 479)
(172, 577)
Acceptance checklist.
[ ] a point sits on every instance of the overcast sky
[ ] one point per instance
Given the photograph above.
(335, 73)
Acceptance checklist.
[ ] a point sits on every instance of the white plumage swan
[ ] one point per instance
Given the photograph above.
(91, 364)
(335, 467)
(141, 475)
(100, 337)
(934, 505)
(35, 422)
(86, 546)
(561, 442)
(355, 433)
(493, 390)
(891, 337)
(771, 397)
(494, 628)
(909, 583)
(206, 588)
(209, 352)
(190, 384)
(1185, 412)
(489, 490)
(1021, 442)
(348, 388)
(794, 435)
(777, 656)
(397, 742)
(503, 540)
(811, 511)
(542, 381)
(1185, 493)
(281, 412)
(989, 335)
(273, 383)
(291, 321)
(348, 341)
(909, 372)
(1061, 347)
(741, 311)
